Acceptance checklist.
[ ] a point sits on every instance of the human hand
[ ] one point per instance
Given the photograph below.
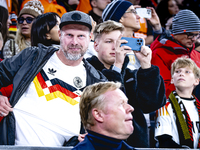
(81, 137)
(5, 106)
(144, 56)
(73, 2)
(137, 6)
(121, 52)
(154, 20)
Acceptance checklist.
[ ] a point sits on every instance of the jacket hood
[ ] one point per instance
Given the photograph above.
(168, 42)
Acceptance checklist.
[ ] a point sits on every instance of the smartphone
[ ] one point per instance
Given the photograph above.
(134, 43)
(144, 12)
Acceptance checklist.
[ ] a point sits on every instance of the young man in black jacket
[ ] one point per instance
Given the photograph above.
(47, 83)
(144, 87)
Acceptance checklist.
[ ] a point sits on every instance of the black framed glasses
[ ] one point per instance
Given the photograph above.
(28, 20)
(191, 35)
(131, 11)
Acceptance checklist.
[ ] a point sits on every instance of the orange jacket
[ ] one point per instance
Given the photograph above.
(84, 6)
(143, 29)
(9, 5)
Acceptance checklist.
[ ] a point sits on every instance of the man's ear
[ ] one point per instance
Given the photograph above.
(59, 33)
(97, 114)
(96, 46)
(172, 81)
(91, 36)
(196, 81)
(121, 20)
(93, 3)
(48, 36)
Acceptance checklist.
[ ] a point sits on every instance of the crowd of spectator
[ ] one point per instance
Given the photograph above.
(65, 79)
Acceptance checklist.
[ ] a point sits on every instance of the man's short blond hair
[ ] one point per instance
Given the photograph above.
(183, 62)
(93, 97)
(107, 27)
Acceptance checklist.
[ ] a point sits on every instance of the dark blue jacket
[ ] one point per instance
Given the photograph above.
(96, 141)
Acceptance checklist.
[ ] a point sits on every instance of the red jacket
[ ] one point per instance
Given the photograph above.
(6, 91)
(165, 51)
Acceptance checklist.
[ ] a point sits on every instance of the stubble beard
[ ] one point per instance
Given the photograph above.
(73, 56)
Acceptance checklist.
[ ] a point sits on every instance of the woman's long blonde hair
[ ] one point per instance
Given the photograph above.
(20, 40)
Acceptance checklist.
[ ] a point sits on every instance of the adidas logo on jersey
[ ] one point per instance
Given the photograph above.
(51, 71)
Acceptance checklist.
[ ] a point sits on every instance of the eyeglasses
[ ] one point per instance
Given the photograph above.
(131, 11)
(191, 35)
(28, 20)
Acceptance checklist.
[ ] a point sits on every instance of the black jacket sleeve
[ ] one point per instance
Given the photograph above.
(10, 66)
(148, 87)
(165, 141)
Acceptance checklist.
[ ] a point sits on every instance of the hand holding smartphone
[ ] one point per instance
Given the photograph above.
(134, 43)
(144, 12)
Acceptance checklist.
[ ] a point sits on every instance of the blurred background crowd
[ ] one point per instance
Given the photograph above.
(10, 9)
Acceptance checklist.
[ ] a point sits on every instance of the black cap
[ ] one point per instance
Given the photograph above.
(76, 17)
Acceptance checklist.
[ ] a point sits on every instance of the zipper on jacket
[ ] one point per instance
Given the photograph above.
(26, 83)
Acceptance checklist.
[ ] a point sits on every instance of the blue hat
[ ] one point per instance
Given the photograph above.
(115, 10)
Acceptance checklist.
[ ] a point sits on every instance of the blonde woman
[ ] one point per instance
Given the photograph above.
(23, 38)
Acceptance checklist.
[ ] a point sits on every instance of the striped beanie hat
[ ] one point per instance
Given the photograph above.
(115, 10)
(185, 21)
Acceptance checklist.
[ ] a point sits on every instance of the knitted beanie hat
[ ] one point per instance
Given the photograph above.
(115, 10)
(185, 21)
(33, 8)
